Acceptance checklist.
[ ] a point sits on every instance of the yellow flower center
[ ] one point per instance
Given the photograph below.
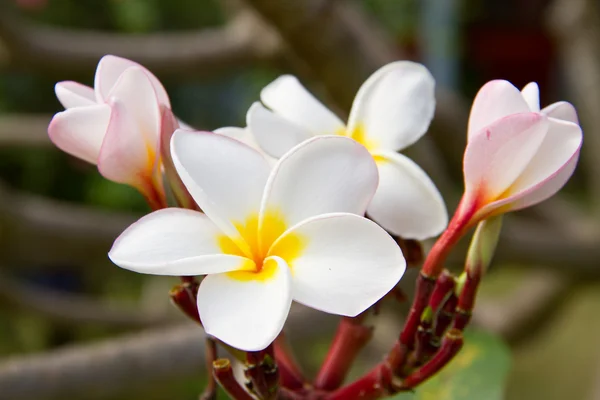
(360, 135)
(256, 244)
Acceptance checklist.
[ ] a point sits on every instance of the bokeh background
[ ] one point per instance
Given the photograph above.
(72, 325)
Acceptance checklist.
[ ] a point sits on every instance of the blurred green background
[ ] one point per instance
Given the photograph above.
(57, 214)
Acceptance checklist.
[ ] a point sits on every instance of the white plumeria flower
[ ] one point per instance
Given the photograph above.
(391, 111)
(116, 124)
(269, 236)
(245, 136)
(517, 155)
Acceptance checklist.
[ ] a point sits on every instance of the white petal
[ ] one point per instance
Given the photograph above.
(496, 156)
(340, 263)
(240, 134)
(247, 314)
(288, 98)
(80, 131)
(73, 94)
(322, 175)
(225, 177)
(174, 241)
(562, 110)
(548, 171)
(275, 134)
(394, 106)
(531, 94)
(406, 202)
(496, 99)
(131, 143)
(110, 69)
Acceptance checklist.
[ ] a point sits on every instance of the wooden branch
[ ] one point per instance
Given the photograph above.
(241, 42)
(106, 369)
(24, 130)
(70, 308)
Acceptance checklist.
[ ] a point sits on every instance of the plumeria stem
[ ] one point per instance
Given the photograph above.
(184, 297)
(451, 345)
(351, 337)
(224, 375)
(290, 373)
(210, 392)
(444, 319)
(379, 382)
(466, 300)
(461, 221)
(262, 371)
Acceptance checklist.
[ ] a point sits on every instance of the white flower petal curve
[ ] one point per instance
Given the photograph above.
(246, 314)
(173, 241)
(275, 134)
(562, 110)
(288, 98)
(394, 106)
(547, 171)
(344, 264)
(321, 175)
(495, 157)
(224, 176)
(240, 134)
(80, 131)
(74, 94)
(531, 94)
(406, 202)
(110, 69)
(495, 99)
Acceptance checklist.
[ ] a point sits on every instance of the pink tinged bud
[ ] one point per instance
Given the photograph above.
(115, 125)
(517, 161)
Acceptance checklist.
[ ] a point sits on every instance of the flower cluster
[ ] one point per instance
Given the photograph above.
(299, 206)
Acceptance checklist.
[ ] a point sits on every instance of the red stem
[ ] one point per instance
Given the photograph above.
(290, 374)
(444, 319)
(224, 375)
(443, 288)
(451, 345)
(466, 301)
(424, 287)
(374, 385)
(461, 221)
(184, 297)
(351, 337)
(210, 392)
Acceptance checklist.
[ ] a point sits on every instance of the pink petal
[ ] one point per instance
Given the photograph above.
(496, 156)
(110, 69)
(80, 131)
(73, 94)
(496, 99)
(548, 170)
(562, 110)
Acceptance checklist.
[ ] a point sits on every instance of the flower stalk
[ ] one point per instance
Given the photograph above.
(350, 338)
(289, 371)
(223, 373)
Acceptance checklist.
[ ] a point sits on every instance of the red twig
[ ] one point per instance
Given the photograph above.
(349, 340)
(444, 319)
(184, 297)
(451, 345)
(289, 372)
(224, 375)
(466, 301)
(379, 382)
(210, 392)
(262, 371)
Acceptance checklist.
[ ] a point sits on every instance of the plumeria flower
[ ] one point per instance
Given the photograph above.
(268, 235)
(245, 136)
(116, 124)
(517, 155)
(391, 111)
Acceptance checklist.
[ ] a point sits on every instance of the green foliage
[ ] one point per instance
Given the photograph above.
(478, 372)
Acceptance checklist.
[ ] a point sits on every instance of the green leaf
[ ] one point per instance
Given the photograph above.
(478, 372)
